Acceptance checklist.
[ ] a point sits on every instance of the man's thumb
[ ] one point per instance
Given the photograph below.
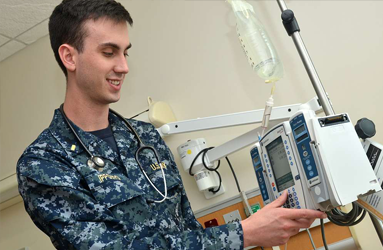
(280, 201)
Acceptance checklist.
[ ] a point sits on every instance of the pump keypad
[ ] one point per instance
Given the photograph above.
(292, 200)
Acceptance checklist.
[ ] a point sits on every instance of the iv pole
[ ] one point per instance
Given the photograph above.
(292, 28)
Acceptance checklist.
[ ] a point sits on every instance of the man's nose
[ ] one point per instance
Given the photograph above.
(121, 65)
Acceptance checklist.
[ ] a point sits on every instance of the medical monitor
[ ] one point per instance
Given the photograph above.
(280, 164)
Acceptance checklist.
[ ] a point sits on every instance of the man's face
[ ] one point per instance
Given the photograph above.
(102, 65)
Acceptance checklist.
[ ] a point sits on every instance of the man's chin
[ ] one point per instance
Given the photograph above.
(113, 100)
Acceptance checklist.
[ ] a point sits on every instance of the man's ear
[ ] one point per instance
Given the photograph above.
(68, 56)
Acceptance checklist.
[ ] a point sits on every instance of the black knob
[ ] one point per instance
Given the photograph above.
(287, 16)
(290, 22)
(365, 128)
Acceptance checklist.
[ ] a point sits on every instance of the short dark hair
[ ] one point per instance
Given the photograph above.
(66, 24)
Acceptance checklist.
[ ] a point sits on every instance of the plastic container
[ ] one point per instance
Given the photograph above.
(255, 42)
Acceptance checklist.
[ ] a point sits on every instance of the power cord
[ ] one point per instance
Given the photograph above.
(203, 152)
(234, 175)
(323, 235)
(311, 238)
(343, 219)
(347, 219)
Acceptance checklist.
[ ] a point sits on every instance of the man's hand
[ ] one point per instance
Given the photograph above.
(274, 225)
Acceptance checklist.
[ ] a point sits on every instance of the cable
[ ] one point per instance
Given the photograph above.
(139, 114)
(323, 236)
(235, 176)
(214, 170)
(203, 152)
(195, 158)
(340, 218)
(311, 238)
(347, 219)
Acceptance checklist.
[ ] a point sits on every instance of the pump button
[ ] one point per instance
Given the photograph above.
(311, 173)
(317, 190)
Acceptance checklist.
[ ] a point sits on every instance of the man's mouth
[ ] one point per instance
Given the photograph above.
(115, 82)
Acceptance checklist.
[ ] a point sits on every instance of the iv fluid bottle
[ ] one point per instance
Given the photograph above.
(255, 42)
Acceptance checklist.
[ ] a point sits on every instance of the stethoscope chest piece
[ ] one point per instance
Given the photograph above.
(96, 163)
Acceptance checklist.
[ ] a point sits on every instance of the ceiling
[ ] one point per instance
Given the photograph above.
(23, 22)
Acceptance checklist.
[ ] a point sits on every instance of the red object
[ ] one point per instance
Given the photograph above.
(211, 223)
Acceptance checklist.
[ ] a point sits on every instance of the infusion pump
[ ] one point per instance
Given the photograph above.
(318, 160)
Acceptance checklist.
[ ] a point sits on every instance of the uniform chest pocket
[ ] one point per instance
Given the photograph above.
(111, 187)
(173, 181)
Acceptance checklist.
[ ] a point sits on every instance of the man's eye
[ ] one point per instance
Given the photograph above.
(108, 53)
(126, 54)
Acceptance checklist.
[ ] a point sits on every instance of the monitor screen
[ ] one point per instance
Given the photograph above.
(299, 130)
(279, 164)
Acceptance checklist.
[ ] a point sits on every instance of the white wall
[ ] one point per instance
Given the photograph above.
(187, 54)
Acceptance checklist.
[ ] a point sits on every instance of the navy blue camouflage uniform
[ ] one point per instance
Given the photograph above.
(79, 207)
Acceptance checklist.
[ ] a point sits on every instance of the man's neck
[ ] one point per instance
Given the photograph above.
(87, 116)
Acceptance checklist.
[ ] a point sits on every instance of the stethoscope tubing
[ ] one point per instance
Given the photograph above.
(141, 146)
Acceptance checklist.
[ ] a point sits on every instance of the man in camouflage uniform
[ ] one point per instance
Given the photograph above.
(80, 207)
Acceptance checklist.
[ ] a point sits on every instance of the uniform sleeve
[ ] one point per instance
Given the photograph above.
(71, 217)
(228, 236)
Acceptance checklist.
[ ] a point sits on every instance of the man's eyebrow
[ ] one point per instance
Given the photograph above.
(113, 45)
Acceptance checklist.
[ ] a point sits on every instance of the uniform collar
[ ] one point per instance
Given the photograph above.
(125, 139)
(98, 147)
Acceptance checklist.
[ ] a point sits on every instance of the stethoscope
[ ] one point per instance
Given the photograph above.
(98, 163)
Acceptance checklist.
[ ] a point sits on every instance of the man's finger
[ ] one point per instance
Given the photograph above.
(296, 214)
(280, 201)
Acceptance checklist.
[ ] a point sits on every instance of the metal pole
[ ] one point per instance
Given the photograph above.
(314, 77)
(319, 89)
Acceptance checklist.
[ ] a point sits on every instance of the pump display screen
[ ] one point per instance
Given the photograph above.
(299, 130)
(280, 164)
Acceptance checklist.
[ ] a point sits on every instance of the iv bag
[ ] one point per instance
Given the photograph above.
(255, 42)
